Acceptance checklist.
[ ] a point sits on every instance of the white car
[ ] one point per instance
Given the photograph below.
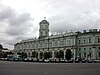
(46, 60)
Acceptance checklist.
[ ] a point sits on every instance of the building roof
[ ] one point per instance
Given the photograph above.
(44, 22)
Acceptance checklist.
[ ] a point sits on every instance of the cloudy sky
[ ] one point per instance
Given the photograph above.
(19, 18)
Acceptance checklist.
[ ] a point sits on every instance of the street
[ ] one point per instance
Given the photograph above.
(30, 68)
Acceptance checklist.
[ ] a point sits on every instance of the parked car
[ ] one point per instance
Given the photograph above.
(62, 61)
(77, 61)
(57, 60)
(83, 61)
(70, 61)
(46, 60)
(41, 60)
(52, 60)
(96, 61)
(90, 61)
(35, 60)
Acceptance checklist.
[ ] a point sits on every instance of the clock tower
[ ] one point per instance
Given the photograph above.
(44, 29)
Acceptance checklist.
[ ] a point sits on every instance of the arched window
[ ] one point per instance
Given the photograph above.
(99, 54)
(84, 41)
(79, 41)
(98, 40)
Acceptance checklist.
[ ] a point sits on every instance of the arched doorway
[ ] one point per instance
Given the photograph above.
(56, 54)
(41, 54)
(68, 55)
(35, 54)
(47, 55)
(59, 54)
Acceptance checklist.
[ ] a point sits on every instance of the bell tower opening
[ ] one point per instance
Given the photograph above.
(44, 28)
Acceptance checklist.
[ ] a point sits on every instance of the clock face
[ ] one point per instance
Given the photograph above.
(43, 26)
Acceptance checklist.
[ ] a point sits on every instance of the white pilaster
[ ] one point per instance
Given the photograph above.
(65, 54)
(38, 54)
(74, 54)
(53, 54)
(94, 53)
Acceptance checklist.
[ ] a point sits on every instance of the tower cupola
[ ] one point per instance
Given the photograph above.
(44, 29)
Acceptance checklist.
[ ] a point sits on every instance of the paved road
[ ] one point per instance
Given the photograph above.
(28, 68)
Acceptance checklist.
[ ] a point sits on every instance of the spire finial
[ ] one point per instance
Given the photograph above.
(44, 17)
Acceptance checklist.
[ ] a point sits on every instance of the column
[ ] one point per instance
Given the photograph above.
(94, 53)
(86, 55)
(30, 53)
(43, 55)
(53, 54)
(38, 54)
(94, 48)
(65, 54)
(27, 54)
(74, 54)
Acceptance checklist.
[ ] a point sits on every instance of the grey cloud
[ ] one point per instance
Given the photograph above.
(6, 13)
(20, 19)
(75, 15)
(17, 26)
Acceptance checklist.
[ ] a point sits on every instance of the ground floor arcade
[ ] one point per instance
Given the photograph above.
(61, 53)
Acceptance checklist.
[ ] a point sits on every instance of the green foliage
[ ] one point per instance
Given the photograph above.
(34, 54)
(3, 54)
(24, 55)
(59, 54)
(41, 55)
(68, 54)
(47, 55)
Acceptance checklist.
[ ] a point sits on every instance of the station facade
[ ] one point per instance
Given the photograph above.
(83, 45)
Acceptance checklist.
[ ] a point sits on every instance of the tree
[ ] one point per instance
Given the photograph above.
(5, 55)
(34, 54)
(23, 55)
(47, 55)
(68, 54)
(41, 55)
(56, 54)
(1, 54)
(61, 54)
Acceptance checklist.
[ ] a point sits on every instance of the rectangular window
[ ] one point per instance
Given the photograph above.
(89, 48)
(50, 44)
(79, 49)
(99, 54)
(90, 54)
(80, 55)
(68, 42)
(98, 40)
(84, 54)
(56, 43)
(99, 48)
(89, 40)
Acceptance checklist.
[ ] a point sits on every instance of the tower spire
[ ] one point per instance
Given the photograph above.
(44, 18)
